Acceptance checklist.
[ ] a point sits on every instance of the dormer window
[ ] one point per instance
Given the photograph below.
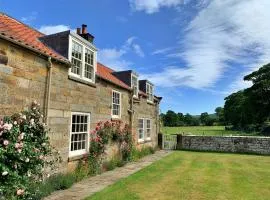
(82, 55)
(135, 85)
(149, 92)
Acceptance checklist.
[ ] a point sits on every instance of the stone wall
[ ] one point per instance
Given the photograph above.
(147, 110)
(237, 144)
(23, 79)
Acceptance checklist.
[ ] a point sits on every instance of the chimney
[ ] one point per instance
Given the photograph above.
(78, 31)
(84, 28)
(84, 34)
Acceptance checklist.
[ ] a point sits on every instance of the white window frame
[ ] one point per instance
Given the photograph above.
(146, 128)
(120, 102)
(85, 45)
(138, 128)
(81, 151)
(132, 86)
(150, 92)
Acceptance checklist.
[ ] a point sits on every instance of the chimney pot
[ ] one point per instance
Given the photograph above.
(78, 31)
(84, 28)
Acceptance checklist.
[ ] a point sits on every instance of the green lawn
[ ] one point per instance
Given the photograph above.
(196, 176)
(201, 130)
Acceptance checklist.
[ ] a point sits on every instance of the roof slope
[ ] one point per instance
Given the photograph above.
(15, 31)
(106, 73)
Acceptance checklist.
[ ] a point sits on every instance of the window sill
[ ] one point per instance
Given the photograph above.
(116, 118)
(78, 157)
(74, 78)
(144, 141)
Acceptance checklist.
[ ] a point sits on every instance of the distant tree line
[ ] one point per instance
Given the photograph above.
(173, 119)
(249, 109)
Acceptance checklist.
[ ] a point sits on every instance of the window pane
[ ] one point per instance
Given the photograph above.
(79, 133)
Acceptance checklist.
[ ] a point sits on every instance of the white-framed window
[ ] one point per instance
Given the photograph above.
(140, 130)
(144, 129)
(89, 64)
(149, 92)
(116, 104)
(148, 129)
(76, 58)
(83, 60)
(135, 84)
(79, 131)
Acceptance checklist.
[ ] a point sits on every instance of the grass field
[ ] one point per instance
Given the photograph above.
(201, 130)
(196, 176)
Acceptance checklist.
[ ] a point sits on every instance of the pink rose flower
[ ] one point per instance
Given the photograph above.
(7, 126)
(6, 142)
(20, 192)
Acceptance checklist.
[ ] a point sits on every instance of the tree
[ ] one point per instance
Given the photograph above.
(204, 118)
(259, 93)
(180, 119)
(238, 110)
(170, 119)
(188, 119)
(220, 114)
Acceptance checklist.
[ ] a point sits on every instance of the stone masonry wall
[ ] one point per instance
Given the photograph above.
(237, 144)
(144, 109)
(23, 80)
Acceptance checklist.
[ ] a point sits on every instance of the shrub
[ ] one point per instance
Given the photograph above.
(25, 153)
(116, 131)
(136, 154)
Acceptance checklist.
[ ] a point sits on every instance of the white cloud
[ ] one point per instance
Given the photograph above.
(51, 29)
(113, 57)
(29, 19)
(162, 51)
(224, 32)
(138, 50)
(152, 6)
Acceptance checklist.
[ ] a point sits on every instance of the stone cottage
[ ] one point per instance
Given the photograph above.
(75, 91)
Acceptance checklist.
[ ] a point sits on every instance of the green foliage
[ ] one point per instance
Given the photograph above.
(25, 153)
(250, 107)
(144, 151)
(113, 163)
(117, 131)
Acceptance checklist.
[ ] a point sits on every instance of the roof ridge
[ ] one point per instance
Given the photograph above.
(18, 21)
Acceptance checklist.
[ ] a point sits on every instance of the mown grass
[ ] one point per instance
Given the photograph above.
(202, 130)
(196, 175)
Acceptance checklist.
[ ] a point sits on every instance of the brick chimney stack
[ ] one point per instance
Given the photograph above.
(84, 28)
(78, 31)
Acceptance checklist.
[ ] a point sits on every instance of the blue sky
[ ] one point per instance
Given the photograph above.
(195, 51)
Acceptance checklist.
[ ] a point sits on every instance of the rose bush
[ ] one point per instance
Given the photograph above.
(25, 154)
(116, 131)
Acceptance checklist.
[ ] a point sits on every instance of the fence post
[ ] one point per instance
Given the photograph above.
(160, 140)
(179, 142)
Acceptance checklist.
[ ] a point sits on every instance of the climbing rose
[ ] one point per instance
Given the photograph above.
(7, 126)
(20, 192)
(6, 142)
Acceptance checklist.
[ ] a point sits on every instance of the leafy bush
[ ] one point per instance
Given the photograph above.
(116, 131)
(139, 153)
(25, 153)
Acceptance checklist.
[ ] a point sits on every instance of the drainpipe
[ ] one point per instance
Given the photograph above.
(131, 111)
(48, 92)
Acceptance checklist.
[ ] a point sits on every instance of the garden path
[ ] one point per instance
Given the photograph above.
(94, 184)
